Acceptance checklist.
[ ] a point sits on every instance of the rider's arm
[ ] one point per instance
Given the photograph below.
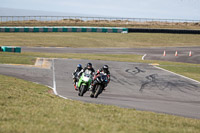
(108, 75)
(79, 74)
(93, 74)
(98, 71)
(73, 74)
(108, 78)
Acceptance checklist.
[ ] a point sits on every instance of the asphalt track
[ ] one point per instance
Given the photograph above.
(133, 85)
(151, 53)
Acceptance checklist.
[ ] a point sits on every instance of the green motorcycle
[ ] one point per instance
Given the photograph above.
(84, 83)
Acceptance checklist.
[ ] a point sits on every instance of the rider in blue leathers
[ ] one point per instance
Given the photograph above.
(75, 75)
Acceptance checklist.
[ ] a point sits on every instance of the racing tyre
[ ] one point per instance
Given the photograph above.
(98, 91)
(83, 90)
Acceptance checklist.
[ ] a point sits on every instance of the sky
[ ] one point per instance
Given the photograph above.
(163, 9)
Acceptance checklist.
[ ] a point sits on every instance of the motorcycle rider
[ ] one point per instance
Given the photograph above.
(88, 69)
(103, 70)
(75, 75)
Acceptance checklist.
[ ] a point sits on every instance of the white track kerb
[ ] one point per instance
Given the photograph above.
(144, 56)
(172, 72)
(177, 74)
(54, 81)
(54, 78)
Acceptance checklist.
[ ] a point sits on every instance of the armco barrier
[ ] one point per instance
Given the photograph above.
(11, 49)
(96, 29)
(175, 31)
(64, 29)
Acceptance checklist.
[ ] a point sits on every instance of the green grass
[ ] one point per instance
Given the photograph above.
(16, 58)
(186, 70)
(98, 40)
(28, 107)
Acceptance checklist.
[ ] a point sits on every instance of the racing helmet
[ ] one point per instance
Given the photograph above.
(79, 66)
(105, 68)
(89, 65)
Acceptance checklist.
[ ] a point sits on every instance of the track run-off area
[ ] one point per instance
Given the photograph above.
(133, 85)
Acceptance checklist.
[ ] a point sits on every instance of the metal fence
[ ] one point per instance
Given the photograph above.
(81, 19)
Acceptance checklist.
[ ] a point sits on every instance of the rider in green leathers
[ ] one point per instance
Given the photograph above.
(88, 69)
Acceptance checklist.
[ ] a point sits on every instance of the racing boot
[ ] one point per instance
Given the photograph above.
(91, 94)
(92, 90)
(75, 87)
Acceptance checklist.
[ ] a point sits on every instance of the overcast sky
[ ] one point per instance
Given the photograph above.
(171, 9)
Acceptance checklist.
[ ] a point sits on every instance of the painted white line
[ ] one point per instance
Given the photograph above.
(58, 95)
(177, 74)
(144, 56)
(64, 97)
(54, 78)
(54, 81)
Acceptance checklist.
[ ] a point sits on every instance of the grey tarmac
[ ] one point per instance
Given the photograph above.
(133, 85)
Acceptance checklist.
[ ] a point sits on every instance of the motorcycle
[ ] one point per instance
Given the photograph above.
(101, 83)
(84, 83)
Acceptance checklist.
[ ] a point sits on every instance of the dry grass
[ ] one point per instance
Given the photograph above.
(133, 40)
(106, 23)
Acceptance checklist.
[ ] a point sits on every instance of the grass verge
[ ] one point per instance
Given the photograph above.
(86, 40)
(28, 107)
(16, 58)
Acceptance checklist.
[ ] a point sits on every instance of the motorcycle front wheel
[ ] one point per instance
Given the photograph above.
(83, 89)
(98, 91)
